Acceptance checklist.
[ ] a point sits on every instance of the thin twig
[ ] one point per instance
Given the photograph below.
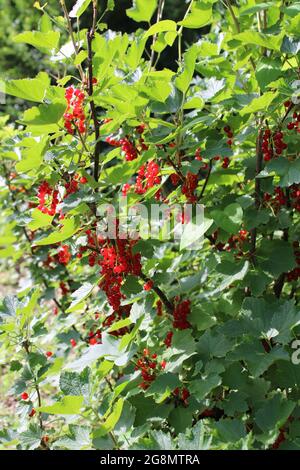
(259, 159)
(238, 28)
(167, 303)
(160, 9)
(206, 180)
(90, 36)
(70, 30)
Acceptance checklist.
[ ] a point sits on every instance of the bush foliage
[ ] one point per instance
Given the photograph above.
(147, 344)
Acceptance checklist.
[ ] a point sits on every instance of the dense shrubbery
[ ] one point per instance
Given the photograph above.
(147, 344)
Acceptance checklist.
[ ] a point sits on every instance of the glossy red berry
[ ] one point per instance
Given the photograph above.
(24, 396)
(32, 413)
(148, 285)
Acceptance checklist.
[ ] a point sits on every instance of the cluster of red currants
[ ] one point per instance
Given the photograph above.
(229, 133)
(181, 395)
(74, 116)
(148, 366)
(226, 162)
(295, 123)
(64, 255)
(148, 177)
(295, 196)
(272, 144)
(48, 199)
(189, 187)
(168, 339)
(127, 147)
(180, 314)
(295, 273)
(117, 261)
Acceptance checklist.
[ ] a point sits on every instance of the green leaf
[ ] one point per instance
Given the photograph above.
(31, 438)
(196, 438)
(290, 46)
(111, 421)
(163, 386)
(42, 41)
(181, 419)
(44, 119)
(259, 104)
(274, 413)
(202, 387)
(79, 439)
(183, 80)
(200, 15)
(267, 71)
(66, 231)
(193, 232)
(227, 281)
(39, 220)
(276, 257)
(161, 26)
(79, 8)
(31, 89)
(268, 41)
(32, 157)
(69, 405)
(79, 295)
(289, 171)
(73, 383)
(201, 319)
(229, 219)
(230, 430)
(256, 8)
(141, 10)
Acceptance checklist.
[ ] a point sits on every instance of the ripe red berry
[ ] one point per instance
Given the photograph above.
(24, 396)
(148, 285)
(49, 353)
(32, 413)
(83, 180)
(73, 342)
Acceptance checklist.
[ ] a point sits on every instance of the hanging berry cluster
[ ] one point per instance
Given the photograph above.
(74, 116)
(189, 187)
(148, 177)
(117, 262)
(128, 148)
(294, 275)
(180, 314)
(64, 255)
(149, 367)
(229, 133)
(295, 123)
(181, 396)
(273, 144)
(48, 199)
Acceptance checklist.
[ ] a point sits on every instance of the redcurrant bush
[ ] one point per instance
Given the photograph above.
(135, 342)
